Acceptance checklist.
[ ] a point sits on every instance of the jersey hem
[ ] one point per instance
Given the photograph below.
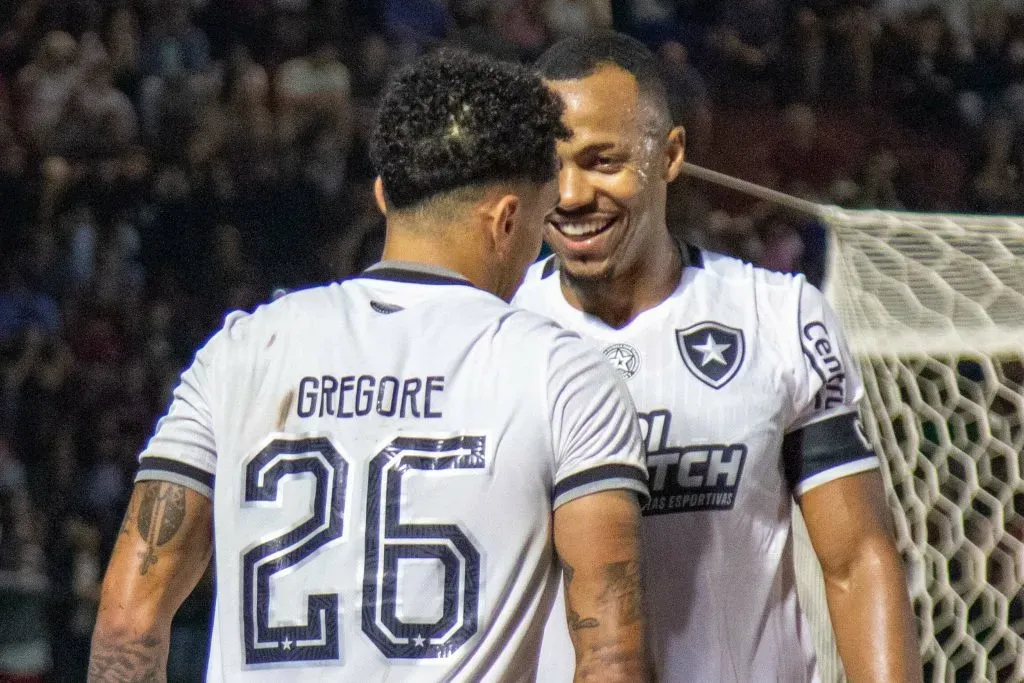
(172, 478)
(601, 486)
(837, 472)
(600, 478)
(177, 472)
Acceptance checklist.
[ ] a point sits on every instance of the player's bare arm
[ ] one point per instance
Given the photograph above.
(162, 550)
(851, 530)
(597, 538)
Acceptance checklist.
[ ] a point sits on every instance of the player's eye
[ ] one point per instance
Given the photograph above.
(607, 164)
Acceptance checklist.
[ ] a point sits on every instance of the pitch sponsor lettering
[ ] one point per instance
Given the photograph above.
(689, 478)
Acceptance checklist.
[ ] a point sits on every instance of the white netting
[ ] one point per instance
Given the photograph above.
(934, 309)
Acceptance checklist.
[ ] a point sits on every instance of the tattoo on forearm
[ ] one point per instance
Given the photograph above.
(126, 523)
(134, 661)
(608, 656)
(578, 624)
(621, 591)
(161, 513)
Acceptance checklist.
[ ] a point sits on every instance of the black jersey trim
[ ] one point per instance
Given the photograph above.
(152, 463)
(691, 255)
(597, 474)
(550, 266)
(820, 446)
(418, 277)
(838, 472)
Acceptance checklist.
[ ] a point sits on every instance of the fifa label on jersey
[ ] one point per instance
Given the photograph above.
(688, 478)
(820, 348)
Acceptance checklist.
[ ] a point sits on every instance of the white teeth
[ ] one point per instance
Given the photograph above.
(581, 228)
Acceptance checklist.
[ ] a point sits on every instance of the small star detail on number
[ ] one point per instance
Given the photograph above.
(419, 641)
(712, 351)
(287, 644)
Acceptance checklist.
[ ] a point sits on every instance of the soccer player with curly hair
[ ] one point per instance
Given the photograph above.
(389, 465)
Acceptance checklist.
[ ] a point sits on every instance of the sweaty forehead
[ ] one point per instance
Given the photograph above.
(603, 107)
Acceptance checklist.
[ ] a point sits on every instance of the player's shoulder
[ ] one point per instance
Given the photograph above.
(528, 316)
(536, 329)
(733, 270)
(781, 303)
(773, 294)
(289, 313)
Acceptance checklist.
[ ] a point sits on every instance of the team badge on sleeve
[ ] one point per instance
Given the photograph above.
(624, 357)
(713, 352)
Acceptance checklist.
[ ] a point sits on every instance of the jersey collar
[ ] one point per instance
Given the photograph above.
(417, 273)
(692, 256)
(693, 260)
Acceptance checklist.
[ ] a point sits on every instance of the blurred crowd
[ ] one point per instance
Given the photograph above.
(164, 161)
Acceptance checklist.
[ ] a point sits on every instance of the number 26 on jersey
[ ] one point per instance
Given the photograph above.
(389, 539)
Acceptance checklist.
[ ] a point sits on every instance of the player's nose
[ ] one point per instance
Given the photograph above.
(574, 191)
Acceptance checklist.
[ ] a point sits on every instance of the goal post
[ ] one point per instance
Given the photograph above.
(933, 307)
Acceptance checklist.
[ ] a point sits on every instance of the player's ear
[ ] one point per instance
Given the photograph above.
(505, 218)
(378, 195)
(675, 153)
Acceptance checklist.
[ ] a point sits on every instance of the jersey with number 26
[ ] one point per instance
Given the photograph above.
(383, 456)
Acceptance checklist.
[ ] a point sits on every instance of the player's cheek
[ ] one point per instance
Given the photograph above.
(623, 187)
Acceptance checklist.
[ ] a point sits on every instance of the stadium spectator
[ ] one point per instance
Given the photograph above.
(123, 39)
(744, 44)
(414, 25)
(576, 17)
(806, 163)
(801, 61)
(688, 98)
(46, 84)
(526, 26)
(923, 64)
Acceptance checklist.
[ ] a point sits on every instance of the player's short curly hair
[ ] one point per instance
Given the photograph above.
(454, 120)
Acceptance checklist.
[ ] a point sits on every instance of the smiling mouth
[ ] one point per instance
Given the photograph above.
(583, 229)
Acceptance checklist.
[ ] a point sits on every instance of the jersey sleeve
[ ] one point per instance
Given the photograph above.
(594, 425)
(182, 450)
(825, 441)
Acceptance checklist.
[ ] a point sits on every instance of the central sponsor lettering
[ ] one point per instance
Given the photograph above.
(688, 478)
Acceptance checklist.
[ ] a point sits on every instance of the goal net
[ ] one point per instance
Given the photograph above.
(934, 309)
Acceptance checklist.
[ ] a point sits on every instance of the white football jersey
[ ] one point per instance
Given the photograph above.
(384, 456)
(747, 395)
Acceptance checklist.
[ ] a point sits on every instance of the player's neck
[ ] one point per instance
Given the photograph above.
(428, 250)
(619, 300)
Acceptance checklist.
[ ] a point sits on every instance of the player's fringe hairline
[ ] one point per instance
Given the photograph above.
(449, 206)
(553, 65)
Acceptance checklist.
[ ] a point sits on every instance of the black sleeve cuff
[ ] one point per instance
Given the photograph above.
(825, 450)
